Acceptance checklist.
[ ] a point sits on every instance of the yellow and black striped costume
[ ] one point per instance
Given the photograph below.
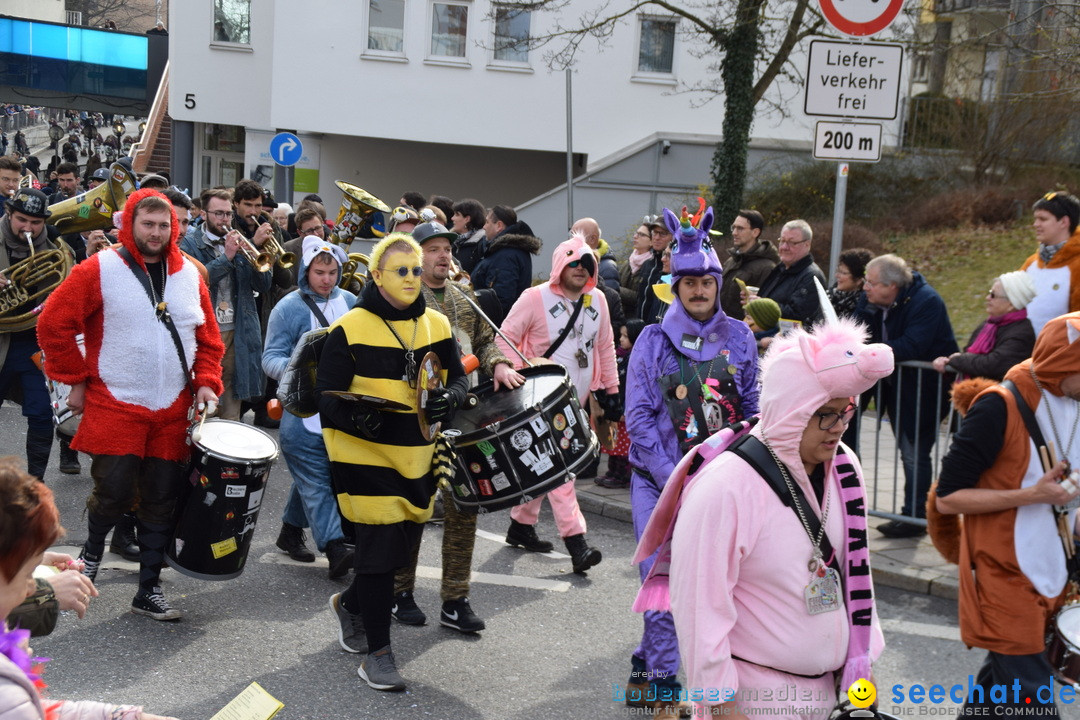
(387, 479)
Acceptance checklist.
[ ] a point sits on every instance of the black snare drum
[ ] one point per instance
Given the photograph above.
(216, 518)
(516, 445)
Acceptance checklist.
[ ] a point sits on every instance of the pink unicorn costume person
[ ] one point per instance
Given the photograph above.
(690, 375)
(761, 604)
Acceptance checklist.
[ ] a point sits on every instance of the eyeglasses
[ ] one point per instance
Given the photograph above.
(640, 234)
(221, 213)
(574, 264)
(790, 243)
(317, 229)
(739, 228)
(404, 271)
(828, 420)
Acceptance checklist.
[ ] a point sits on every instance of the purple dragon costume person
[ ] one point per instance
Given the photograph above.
(687, 379)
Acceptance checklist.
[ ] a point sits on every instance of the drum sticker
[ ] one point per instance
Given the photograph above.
(499, 481)
(255, 500)
(223, 548)
(203, 480)
(528, 458)
(230, 515)
(179, 546)
(462, 490)
(559, 421)
(543, 464)
(485, 486)
(230, 473)
(474, 468)
(485, 447)
(539, 426)
(568, 433)
(564, 443)
(209, 499)
(235, 491)
(521, 440)
(556, 310)
(569, 416)
(591, 312)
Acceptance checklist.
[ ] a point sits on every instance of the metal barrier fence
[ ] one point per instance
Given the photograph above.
(879, 447)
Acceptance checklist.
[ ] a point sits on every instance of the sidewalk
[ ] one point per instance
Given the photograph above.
(905, 563)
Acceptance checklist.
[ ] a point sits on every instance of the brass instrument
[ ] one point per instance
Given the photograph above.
(356, 207)
(349, 271)
(30, 280)
(262, 260)
(26, 181)
(457, 274)
(273, 248)
(93, 210)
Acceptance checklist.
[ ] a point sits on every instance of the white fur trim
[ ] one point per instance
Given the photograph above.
(138, 360)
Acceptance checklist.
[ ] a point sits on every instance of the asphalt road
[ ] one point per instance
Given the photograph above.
(554, 646)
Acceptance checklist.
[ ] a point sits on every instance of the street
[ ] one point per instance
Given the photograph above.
(554, 646)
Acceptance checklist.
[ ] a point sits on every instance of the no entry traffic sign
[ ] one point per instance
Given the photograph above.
(860, 18)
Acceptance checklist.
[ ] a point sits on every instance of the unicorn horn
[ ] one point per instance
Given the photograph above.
(826, 307)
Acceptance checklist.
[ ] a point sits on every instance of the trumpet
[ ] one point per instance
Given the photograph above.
(274, 249)
(263, 261)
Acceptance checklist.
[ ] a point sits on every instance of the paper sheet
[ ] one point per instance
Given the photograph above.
(253, 703)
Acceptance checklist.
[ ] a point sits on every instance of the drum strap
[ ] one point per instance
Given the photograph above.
(315, 309)
(566, 330)
(164, 317)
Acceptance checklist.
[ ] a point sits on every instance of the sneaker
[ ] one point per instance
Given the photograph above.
(91, 563)
(457, 614)
(152, 603)
(379, 670)
(406, 611)
(351, 634)
(524, 536)
(292, 540)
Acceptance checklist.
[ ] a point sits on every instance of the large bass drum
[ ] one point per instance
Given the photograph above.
(516, 445)
(217, 514)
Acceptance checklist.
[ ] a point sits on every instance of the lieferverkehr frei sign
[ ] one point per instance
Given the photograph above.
(853, 79)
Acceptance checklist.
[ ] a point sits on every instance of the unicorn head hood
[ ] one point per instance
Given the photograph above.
(692, 254)
(802, 371)
(573, 250)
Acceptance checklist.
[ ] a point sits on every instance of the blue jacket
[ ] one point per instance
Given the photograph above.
(248, 380)
(507, 264)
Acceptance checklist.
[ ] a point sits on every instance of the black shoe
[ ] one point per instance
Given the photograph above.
(900, 529)
(291, 540)
(612, 483)
(152, 603)
(69, 459)
(124, 542)
(457, 614)
(583, 556)
(262, 419)
(524, 536)
(340, 556)
(406, 611)
(438, 513)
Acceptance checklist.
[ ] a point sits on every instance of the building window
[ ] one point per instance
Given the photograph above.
(656, 49)
(449, 26)
(232, 21)
(512, 35)
(386, 25)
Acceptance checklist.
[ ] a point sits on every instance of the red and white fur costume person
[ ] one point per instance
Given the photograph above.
(137, 397)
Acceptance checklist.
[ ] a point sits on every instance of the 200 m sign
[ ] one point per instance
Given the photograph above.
(857, 142)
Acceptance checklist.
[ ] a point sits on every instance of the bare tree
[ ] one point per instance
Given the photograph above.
(749, 40)
(129, 15)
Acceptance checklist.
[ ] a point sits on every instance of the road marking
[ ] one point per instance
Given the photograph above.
(501, 539)
(941, 632)
(529, 583)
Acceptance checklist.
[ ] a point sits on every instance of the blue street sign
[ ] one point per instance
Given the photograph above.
(286, 149)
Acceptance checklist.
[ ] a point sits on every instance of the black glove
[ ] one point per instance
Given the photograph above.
(611, 408)
(367, 421)
(441, 405)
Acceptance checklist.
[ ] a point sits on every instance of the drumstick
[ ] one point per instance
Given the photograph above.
(1045, 458)
(494, 327)
(196, 434)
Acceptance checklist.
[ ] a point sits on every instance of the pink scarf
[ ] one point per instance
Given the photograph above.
(987, 337)
(637, 260)
(858, 588)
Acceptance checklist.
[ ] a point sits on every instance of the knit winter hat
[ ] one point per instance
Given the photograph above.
(764, 311)
(1019, 288)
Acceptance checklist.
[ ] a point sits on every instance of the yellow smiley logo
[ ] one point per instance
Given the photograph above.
(862, 693)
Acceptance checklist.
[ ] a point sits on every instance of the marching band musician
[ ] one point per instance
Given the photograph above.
(381, 463)
(134, 386)
(10, 174)
(566, 321)
(233, 284)
(459, 533)
(25, 217)
(316, 303)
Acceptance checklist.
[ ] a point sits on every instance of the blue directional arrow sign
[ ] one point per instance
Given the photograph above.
(286, 149)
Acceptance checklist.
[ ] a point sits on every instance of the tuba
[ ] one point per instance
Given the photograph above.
(350, 271)
(356, 207)
(93, 210)
(30, 280)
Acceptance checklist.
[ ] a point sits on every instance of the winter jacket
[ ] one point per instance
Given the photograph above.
(469, 249)
(631, 286)
(793, 290)
(609, 265)
(752, 266)
(507, 264)
(1012, 344)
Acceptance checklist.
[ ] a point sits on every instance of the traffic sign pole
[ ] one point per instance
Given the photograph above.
(839, 206)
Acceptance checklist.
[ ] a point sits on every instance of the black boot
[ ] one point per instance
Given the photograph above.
(524, 536)
(583, 556)
(291, 540)
(340, 556)
(69, 459)
(124, 542)
(38, 448)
